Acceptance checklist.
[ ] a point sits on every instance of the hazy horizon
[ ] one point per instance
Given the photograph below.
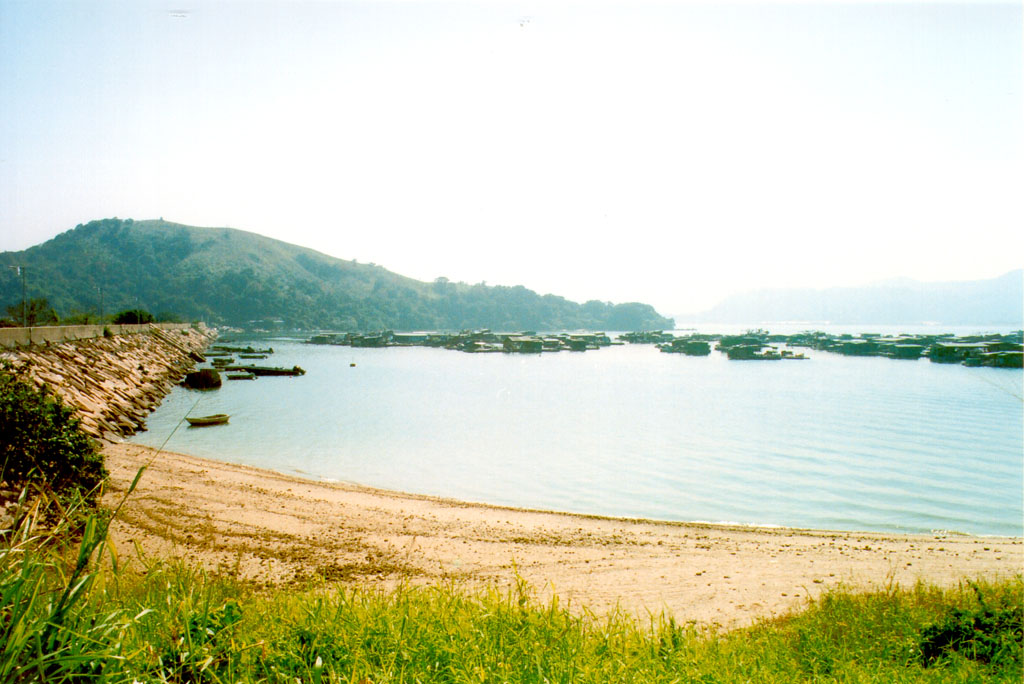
(672, 153)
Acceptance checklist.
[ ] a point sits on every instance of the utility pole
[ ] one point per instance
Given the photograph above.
(103, 279)
(24, 311)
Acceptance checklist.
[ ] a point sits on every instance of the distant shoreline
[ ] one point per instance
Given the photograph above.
(994, 350)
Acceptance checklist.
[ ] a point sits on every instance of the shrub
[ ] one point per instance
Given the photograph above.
(40, 440)
(133, 317)
(981, 633)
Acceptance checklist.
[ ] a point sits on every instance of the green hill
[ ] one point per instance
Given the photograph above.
(228, 276)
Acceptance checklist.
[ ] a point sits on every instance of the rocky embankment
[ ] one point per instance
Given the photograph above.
(114, 382)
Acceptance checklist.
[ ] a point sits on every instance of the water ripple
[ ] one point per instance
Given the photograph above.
(833, 443)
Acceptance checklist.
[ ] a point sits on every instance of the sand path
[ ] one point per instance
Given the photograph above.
(273, 528)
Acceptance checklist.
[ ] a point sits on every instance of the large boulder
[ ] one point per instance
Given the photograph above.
(205, 378)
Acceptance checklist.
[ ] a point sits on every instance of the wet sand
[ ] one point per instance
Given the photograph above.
(275, 529)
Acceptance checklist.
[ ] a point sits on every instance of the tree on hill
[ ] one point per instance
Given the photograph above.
(36, 312)
(133, 317)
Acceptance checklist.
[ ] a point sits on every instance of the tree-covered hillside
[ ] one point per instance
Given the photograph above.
(227, 276)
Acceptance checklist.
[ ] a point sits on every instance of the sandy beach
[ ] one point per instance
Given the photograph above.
(276, 529)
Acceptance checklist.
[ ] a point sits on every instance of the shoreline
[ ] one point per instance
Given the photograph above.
(276, 528)
(305, 477)
(308, 477)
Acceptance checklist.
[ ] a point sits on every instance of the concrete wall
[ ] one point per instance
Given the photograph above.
(20, 337)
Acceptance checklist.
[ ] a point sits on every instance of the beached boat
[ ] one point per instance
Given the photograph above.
(203, 421)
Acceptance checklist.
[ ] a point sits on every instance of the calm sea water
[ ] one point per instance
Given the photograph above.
(829, 443)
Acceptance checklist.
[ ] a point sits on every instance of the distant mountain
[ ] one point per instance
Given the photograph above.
(228, 276)
(999, 301)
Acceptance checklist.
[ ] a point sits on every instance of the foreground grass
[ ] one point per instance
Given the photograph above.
(64, 619)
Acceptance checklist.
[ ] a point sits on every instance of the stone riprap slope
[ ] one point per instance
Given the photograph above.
(114, 382)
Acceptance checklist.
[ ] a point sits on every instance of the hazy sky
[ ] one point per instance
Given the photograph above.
(667, 152)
